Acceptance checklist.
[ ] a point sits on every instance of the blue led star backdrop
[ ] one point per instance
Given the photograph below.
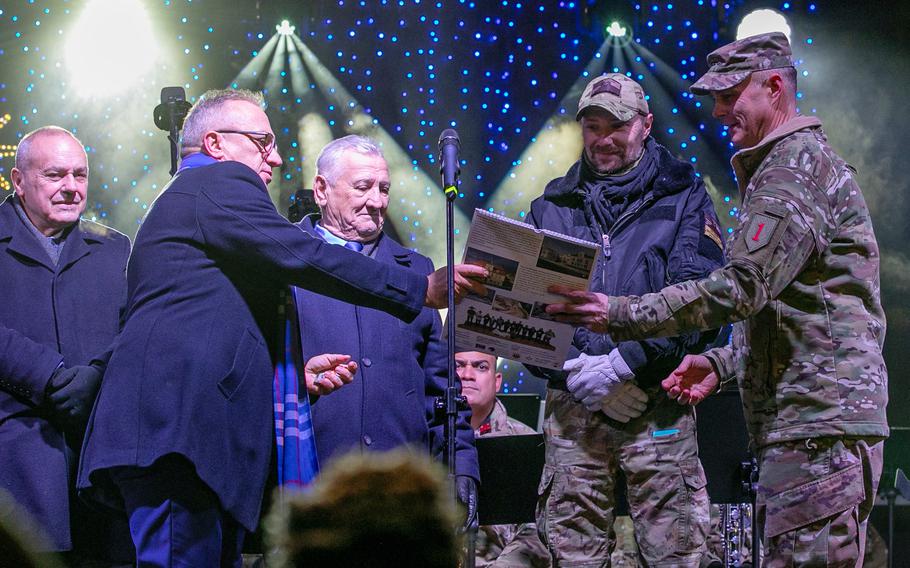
(506, 74)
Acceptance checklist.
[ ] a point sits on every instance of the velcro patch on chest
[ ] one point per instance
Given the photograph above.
(761, 229)
(661, 212)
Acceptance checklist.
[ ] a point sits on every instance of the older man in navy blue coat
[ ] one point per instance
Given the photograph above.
(64, 289)
(182, 432)
(402, 365)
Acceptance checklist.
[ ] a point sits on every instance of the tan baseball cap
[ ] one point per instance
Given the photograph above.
(730, 64)
(615, 93)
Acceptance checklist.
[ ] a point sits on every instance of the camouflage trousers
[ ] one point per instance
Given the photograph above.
(510, 546)
(667, 497)
(814, 500)
(734, 551)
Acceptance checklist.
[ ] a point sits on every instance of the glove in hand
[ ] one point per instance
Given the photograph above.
(626, 403)
(466, 490)
(72, 391)
(591, 379)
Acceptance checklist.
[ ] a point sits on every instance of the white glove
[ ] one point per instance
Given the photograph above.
(626, 403)
(591, 379)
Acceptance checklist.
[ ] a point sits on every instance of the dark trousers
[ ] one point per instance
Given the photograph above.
(175, 519)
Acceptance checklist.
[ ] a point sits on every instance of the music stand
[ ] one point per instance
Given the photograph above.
(510, 468)
(523, 407)
(723, 446)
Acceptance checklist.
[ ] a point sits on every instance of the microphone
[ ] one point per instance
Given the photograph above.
(449, 146)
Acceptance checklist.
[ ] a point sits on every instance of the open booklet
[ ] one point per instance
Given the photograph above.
(511, 321)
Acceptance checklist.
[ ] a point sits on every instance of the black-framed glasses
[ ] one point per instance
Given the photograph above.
(264, 141)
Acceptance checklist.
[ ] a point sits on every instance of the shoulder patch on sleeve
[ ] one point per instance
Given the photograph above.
(761, 229)
(712, 231)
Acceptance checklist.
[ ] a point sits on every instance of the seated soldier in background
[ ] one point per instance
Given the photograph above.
(497, 545)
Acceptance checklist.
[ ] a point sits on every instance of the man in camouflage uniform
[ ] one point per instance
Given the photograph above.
(500, 546)
(803, 280)
(655, 225)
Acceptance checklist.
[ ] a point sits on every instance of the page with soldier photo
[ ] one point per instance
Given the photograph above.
(511, 320)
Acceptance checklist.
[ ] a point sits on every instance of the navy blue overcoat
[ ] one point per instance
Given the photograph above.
(192, 371)
(69, 313)
(402, 370)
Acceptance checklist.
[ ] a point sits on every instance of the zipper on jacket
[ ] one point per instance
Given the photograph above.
(608, 236)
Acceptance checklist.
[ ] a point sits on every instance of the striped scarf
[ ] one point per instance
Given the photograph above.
(298, 464)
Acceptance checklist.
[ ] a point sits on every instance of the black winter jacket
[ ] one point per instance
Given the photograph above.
(669, 235)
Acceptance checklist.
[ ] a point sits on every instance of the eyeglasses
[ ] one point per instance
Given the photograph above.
(264, 141)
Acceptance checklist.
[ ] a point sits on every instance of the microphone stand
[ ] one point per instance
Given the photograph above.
(452, 398)
(451, 402)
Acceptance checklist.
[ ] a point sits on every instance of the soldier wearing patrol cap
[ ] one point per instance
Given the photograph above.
(655, 225)
(803, 281)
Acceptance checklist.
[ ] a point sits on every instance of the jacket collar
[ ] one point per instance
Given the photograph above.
(674, 176)
(386, 249)
(23, 243)
(747, 160)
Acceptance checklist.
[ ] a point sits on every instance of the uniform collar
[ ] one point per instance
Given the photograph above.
(494, 421)
(747, 160)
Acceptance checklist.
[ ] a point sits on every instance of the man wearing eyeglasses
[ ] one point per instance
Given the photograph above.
(182, 432)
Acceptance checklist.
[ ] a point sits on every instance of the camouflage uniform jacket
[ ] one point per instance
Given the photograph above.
(803, 279)
(492, 540)
(499, 424)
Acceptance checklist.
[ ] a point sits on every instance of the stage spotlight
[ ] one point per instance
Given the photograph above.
(762, 22)
(285, 28)
(110, 47)
(616, 30)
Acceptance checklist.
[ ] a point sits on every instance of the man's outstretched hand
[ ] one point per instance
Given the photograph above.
(467, 279)
(328, 372)
(692, 381)
(581, 308)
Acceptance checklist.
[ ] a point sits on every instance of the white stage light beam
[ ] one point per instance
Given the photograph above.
(111, 47)
(762, 22)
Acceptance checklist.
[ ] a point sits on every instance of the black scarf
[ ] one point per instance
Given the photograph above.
(606, 197)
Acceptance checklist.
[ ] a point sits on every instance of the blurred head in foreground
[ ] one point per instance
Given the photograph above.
(369, 510)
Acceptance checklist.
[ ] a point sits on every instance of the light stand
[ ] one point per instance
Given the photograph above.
(169, 116)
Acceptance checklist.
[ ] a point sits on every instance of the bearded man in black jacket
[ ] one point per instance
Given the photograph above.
(655, 225)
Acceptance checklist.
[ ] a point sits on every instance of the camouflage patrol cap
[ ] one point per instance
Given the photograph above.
(729, 65)
(615, 93)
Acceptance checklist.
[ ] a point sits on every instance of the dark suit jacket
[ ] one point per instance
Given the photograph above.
(70, 314)
(192, 371)
(402, 369)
